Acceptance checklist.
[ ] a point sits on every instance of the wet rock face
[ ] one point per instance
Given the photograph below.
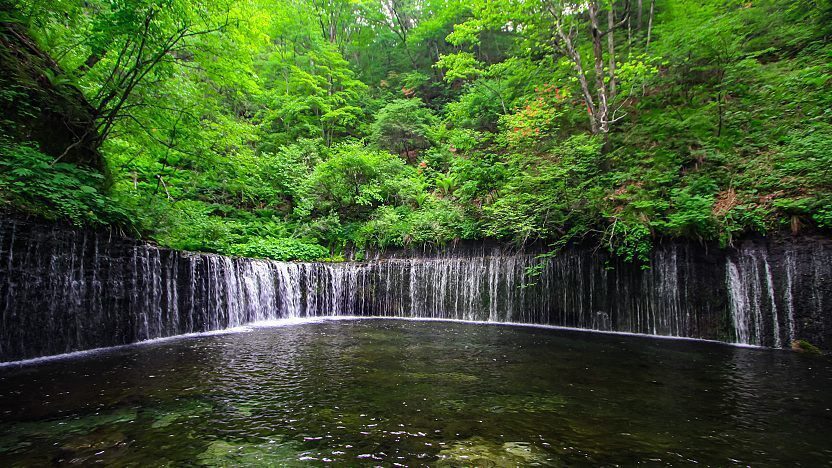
(781, 291)
(65, 290)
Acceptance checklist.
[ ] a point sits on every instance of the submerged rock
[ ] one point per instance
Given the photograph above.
(478, 451)
(229, 453)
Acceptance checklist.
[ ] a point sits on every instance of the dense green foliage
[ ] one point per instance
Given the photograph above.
(30, 181)
(293, 129)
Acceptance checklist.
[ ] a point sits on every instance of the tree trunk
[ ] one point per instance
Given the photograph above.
(650, 24)
(90, 62)
(600, 86)
(638, 15)
(611, 51)
(579, 68)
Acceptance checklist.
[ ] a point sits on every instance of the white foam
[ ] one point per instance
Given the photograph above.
(299, 321)
(336, 318)
(330, 318)
(87, 352)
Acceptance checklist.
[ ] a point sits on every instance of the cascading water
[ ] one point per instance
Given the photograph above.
(64, 290)
(765, 296)
(788, 297)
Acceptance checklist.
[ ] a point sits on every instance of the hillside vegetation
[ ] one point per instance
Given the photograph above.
(294, 129)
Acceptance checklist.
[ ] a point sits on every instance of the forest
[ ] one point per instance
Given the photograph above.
(306, 129)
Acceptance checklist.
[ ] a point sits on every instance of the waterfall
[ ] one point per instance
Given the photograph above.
(64, 290)
(746, 327)
(767, 295)
(788, 298)
(753, 303)
(770, 292)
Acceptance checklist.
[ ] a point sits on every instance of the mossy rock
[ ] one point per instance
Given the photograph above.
(525, 404)
(229, 453)
(478, 451)
(804, 346)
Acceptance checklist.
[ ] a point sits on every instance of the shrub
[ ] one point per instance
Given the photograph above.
(33, 182)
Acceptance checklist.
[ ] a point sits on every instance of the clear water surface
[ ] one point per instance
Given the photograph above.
(394, 392)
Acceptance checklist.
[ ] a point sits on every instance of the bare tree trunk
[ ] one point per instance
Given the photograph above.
(600, 85)
(650, 24)
(638, 15)
(438, 56)
(611, 50)
(573, 54)
(598, 99)
(402, 30)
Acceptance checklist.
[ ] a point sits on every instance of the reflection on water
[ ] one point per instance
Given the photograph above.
(416, 393)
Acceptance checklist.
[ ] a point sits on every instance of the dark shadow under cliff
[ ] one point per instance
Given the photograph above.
(39, 105)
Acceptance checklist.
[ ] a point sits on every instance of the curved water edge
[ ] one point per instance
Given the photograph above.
(419, 392)
(64, 290)
(251, 327)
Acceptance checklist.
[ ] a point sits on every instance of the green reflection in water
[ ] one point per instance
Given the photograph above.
(418, 393)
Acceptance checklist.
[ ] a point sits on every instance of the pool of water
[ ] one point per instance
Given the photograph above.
(419, 393)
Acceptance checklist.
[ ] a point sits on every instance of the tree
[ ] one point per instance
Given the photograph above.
(403, 127)
(133, 45)
(566, 29)
(464, 66)
(353, 182)
(568, 22)
(234, 125)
